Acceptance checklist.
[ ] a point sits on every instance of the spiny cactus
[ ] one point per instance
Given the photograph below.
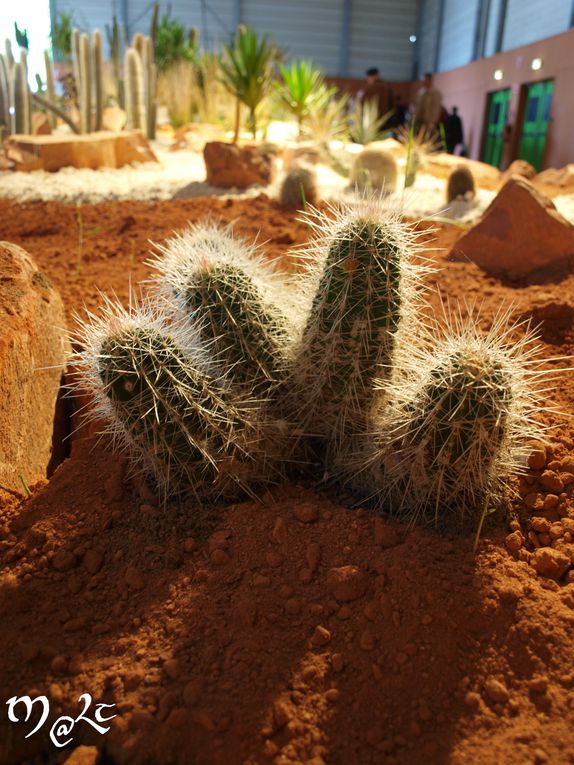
(460, 184)
(50, 87)
(234, 296)
(98, 78)
(5, 98)
(375, 169)
(20, 99)
(134, 91)
(367, 283)
(299, 188)
(167, 404)
(85, 84)
(457, 418)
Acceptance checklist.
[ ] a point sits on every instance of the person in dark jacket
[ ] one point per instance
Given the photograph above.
(453, 131)
(377, 89)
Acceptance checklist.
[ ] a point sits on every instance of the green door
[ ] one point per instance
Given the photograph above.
(496, 116)
(535, 122)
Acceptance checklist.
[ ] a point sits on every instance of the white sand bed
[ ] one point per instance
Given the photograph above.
(181, 174)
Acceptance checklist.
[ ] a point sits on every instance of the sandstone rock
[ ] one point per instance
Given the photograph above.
(563, 177)
(41, 124)
(92, 150)
(231, 166)
(113, 118)
(33, 350)
(519, 167)
(346, 583)
(441, 165)
(520, 235)
(83, 755)
(551, 563)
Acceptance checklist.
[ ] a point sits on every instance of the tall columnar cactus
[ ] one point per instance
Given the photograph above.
(236, 299)
(5, 99)
(134, 91)
(9, 55)
(85, 84)
(150, 87)
(76, 58)
(50, 88)
(457, 418)
(20, 99)
(98, 79)
(167, 404)
(367, 283)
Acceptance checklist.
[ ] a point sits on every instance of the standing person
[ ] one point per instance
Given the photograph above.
(453, 131)
(428, 105)
(377, 89)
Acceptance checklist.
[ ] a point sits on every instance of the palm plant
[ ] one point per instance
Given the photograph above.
(367, 124)
(246, 69)
(173, 43)
(61, 36)
(298, 88)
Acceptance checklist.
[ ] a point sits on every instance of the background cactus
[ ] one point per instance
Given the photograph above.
(367, 282)
(299, 188)
(460, 184)
(234, 296)
(166, 404)
(85, 84)
(50, 87)
(457, 418)
(375, 169)
(140, 83)
(98, 79)
(20, 99)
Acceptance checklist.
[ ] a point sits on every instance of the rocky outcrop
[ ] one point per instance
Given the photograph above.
(33, 351)
(92, 150)
(519, 167)
(520, 236)
(231, 166)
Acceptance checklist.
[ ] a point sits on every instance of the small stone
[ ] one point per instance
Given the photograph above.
(537, 459)
(556, 531)
(192, 693)
(260, 580)
(83, 755)
(472, 700)
(134, 579)
(338, 662)
(550, 502)
(551, 481)
(293, 606)
(64, 560)
(279, 533)
(274, 559)
(114, 488)
(172, 669)
(306, 512)
(93, 560)
(514, 541)
(344, 613)
(219, 557)
(332, 694)
(385, 534)
(189, 545)
(549, 562)
(496, 691)
(538, 684)
(281, 714)
(346, 583)
(59, 665)
(531, 500)
(320, 637)
(313, 555)
(540, 525)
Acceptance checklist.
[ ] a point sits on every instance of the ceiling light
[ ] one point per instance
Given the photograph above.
(498, 75)
(413, 38)
(536, 64)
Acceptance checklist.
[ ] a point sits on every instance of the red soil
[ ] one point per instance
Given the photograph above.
(222, 635)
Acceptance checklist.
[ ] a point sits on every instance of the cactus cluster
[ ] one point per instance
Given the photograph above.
(233, 379)
(15, 97)
(140, 85)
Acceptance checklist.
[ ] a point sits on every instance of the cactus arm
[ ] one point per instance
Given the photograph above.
(98, 76)
(51, 90)
(85, 69)
(50, 107)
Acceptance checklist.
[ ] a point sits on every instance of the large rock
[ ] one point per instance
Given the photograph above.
(562, 178)
(519, 167)
(231, 166)
(520, 235)
(441, 165)
(33, 350)
(91, 150)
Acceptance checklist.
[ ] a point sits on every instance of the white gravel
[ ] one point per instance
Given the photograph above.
(181, 174)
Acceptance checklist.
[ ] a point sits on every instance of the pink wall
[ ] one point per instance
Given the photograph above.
(467, 87)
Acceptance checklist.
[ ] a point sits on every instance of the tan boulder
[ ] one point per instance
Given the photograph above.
(519, 167)
(441, 165)
(113, 119)
(92, 150)
(562, 178)
(231, 166)
(520, 235)
(33, 351)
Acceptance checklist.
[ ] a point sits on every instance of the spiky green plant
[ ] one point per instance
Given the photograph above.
(166, 404)
(173, 44)
(97, 66)
(61, 36)
(298, 88)
(246, 70)
(366, 123)
(327, 120)
(134, 91)
(236, 299)
(50, 87)
(365, 285)
(459, 412)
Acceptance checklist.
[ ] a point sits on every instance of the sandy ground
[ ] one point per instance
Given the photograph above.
(215, 631)
(181, 174)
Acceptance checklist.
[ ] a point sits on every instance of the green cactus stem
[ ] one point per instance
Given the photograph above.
(134, 91)
(85, 84)
(98, 77)
(50, 88)
(20, 99)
